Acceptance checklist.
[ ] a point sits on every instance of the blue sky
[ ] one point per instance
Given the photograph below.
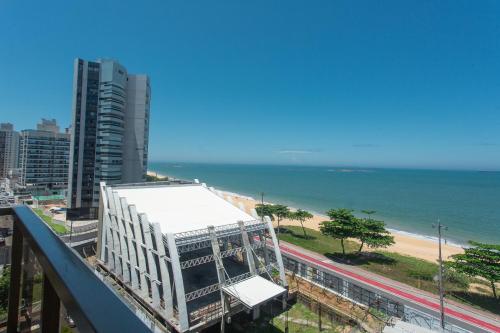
(359, 83)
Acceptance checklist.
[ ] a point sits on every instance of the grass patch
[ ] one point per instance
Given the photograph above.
(59, 229)
(315, 241)
(476, 300)
(66, 329)
(300, 319)
(412, 271)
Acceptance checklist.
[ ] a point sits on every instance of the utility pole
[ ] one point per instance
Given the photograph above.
(262, 203)
(440, 227)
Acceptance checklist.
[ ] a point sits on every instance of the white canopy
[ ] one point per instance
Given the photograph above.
(254, 291)
(181, 208)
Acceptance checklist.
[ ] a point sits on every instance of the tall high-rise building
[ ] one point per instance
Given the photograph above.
(109, 136)
(9, 147)
(44, 159)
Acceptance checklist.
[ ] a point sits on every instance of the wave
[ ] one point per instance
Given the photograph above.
(349, 170)
(426, 237)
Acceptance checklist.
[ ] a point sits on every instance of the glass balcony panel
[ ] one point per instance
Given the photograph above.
(31, 292)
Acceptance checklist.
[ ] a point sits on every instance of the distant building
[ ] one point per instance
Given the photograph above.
(44, 159)
(110, 130)
(9, 147)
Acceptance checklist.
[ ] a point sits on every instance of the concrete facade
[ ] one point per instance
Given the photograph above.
(44, 158)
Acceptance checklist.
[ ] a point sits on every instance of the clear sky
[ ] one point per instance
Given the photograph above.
(358, 83)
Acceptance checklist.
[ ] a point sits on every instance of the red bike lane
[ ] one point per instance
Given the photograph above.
(421, 301)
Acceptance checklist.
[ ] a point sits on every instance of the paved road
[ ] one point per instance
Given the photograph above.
(420, 299)
(88, 236)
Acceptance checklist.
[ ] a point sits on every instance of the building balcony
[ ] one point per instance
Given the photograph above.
(52, 288)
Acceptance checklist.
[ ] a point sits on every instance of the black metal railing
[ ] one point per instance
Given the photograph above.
(50, 283)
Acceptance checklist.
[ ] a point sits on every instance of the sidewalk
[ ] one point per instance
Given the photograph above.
(454, 306)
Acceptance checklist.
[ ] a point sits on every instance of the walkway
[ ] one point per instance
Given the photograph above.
(420, 299)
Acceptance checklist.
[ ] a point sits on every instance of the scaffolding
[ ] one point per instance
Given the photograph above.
(183, 275)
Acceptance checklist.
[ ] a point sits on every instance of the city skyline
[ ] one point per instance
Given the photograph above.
(392, 86)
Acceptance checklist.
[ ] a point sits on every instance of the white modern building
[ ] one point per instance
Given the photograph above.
(110, 130)
(191, 255)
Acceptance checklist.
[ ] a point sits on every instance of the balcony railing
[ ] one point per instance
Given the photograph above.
(50, 283)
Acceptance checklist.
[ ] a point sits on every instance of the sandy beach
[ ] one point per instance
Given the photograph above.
(155, 174)
(404, 244)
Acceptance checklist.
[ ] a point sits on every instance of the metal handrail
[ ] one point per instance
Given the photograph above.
(92, 304)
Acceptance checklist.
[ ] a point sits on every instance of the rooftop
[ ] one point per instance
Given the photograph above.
(254, 291)
(181, 208)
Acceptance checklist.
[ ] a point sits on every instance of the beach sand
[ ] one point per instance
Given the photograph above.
(155, 174)
(426, 249)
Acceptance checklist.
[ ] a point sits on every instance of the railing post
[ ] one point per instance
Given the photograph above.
(50, 308)
(15, 278)
(92, 304)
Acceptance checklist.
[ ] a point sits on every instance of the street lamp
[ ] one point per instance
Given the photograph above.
(440, 227)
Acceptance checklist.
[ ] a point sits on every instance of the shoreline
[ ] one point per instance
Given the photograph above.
(393, 231)
(406, 243)
(419, 246)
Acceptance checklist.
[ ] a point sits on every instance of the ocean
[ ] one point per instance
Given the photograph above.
(410, 201)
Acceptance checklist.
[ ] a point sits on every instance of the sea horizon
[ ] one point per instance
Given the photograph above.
(337, 166)
(408, 200)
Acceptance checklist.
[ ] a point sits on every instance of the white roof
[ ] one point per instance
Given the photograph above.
(181, 208)
(254, 291)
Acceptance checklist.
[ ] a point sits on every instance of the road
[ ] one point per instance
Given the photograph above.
(472, 318)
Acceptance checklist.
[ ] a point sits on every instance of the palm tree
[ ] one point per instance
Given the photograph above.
(301, 216)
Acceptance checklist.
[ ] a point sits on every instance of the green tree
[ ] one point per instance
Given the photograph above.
(342, 225)
(479, 260)
(369, 213)
(281, 212)
(374, 234)
(301, 216)
(265, 210)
